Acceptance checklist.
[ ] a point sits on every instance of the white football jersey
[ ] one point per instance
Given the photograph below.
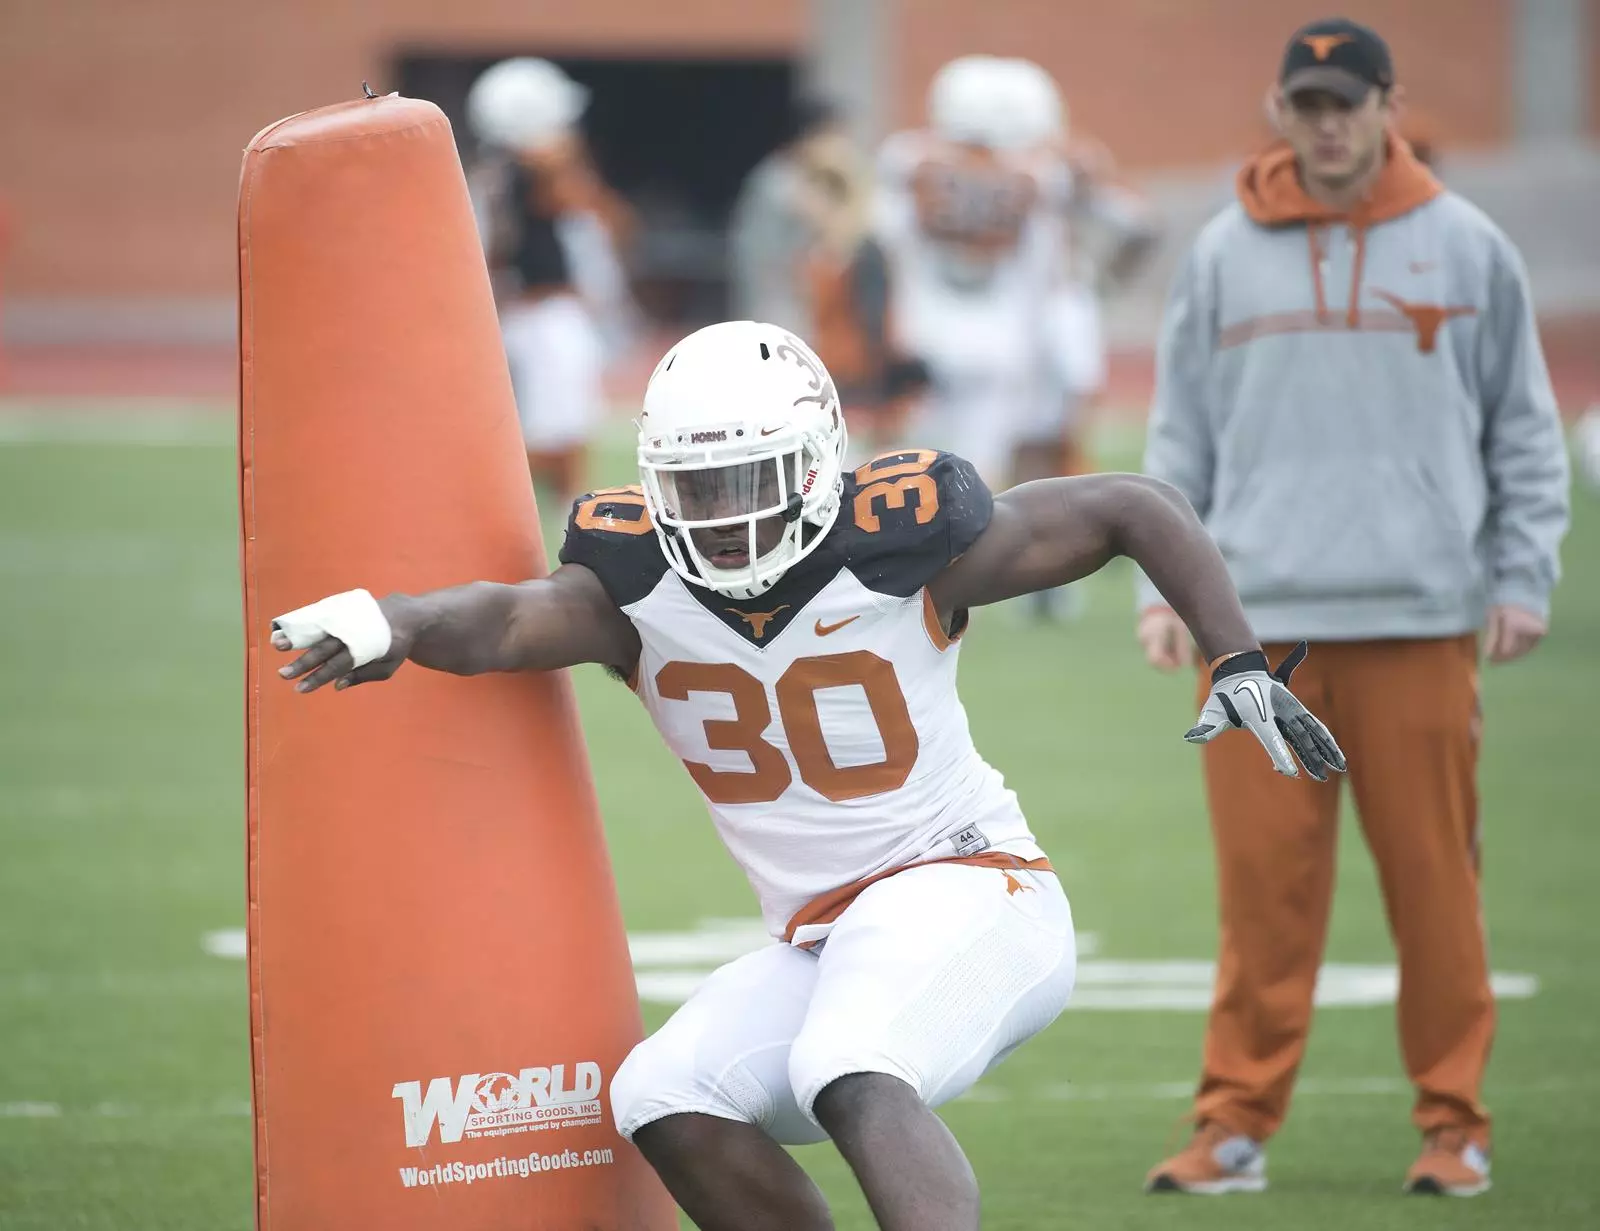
(975, 242)
(972, 218)
(820, 721)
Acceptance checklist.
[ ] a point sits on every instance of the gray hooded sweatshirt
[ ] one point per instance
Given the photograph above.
(1358, 408)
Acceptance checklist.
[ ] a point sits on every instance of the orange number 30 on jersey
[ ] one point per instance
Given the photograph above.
(769, 775)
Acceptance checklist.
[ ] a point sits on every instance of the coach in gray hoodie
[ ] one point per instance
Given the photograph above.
(1351, 392)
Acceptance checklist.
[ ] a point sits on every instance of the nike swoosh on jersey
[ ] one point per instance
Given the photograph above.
(823, 630)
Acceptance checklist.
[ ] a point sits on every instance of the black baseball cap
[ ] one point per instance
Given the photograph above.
(1339, 56)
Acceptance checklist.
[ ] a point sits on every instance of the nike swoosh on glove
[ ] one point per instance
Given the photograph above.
(1244, 693)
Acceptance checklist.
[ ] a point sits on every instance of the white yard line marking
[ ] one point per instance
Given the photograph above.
(669, 966)
(229, 942)
(169, 422)
(142, 422)
(983, 1093)
(1182, 1091)
(222, 1109)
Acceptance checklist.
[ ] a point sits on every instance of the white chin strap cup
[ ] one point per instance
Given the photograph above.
(353, 617)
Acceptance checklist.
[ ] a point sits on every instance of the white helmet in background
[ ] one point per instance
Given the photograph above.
(1037, 112)
(524, 104)
(741, 423)
(969, 102)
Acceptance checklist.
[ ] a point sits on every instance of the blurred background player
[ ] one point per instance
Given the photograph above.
(1355, 343)
(801, 254)
(965, 212)
(1100, 238)
(788, 199)
(552, 234)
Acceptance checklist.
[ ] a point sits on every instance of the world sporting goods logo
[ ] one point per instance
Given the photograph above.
(498, 1104)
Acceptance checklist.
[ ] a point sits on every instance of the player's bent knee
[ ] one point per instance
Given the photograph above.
(816, 1065)
(683, 1136)
(656, 1081)
(845, 1099)
(628, 1096)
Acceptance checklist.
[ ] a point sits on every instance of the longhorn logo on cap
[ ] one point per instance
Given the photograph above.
(1322, 45)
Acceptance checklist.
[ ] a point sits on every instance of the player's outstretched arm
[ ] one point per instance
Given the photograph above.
(557, 621)
(1057, 530)
(1054, 531)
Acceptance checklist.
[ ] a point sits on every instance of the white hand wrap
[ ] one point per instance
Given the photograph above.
(354, 617)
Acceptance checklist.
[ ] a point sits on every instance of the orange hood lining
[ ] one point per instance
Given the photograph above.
(1270, 190)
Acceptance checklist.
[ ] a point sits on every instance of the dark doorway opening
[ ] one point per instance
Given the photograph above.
(675, 137)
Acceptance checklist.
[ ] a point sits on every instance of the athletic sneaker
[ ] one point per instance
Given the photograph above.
(1452, 1165)
(1216, 1160)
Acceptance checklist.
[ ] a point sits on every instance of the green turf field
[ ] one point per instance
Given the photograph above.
(123, 1057)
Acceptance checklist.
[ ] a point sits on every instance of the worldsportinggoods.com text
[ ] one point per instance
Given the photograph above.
(520, 1167)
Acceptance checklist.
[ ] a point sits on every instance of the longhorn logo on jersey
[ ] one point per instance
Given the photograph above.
(757, 620)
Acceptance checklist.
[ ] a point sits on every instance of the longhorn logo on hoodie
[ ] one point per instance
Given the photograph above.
(1425, 318)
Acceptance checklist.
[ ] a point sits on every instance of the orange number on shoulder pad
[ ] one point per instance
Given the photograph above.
(624, 511)
(768, 776)
(887, 479)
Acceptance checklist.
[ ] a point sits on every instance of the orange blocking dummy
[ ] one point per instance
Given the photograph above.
(440, 988)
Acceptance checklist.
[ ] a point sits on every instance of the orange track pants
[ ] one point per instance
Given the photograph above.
(1406, 715)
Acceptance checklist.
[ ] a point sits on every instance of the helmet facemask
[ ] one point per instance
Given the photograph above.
(734, 515)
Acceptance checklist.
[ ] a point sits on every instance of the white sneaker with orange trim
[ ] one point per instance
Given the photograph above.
(1217, 1160)
(1452, 1164)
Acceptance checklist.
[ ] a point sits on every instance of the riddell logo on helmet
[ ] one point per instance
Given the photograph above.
(706, 438)
(811, 477)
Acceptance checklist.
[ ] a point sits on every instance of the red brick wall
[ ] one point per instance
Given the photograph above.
(126, 119)
(1172, 82)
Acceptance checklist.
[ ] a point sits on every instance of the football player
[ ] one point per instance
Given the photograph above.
(792, 628)
(552, 230)
(966, 213)
(1097, 238)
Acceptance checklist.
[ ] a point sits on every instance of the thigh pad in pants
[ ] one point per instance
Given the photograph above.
(934, 976)
(725, 1053)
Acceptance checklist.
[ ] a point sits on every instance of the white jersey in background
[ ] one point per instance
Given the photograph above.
(974, 238)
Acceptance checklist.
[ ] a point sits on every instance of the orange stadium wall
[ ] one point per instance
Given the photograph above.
(120, 179)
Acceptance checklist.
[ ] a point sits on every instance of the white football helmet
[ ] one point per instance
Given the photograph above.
(524, 104)
(741, 423)
(1037, 112)
(968, 101)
